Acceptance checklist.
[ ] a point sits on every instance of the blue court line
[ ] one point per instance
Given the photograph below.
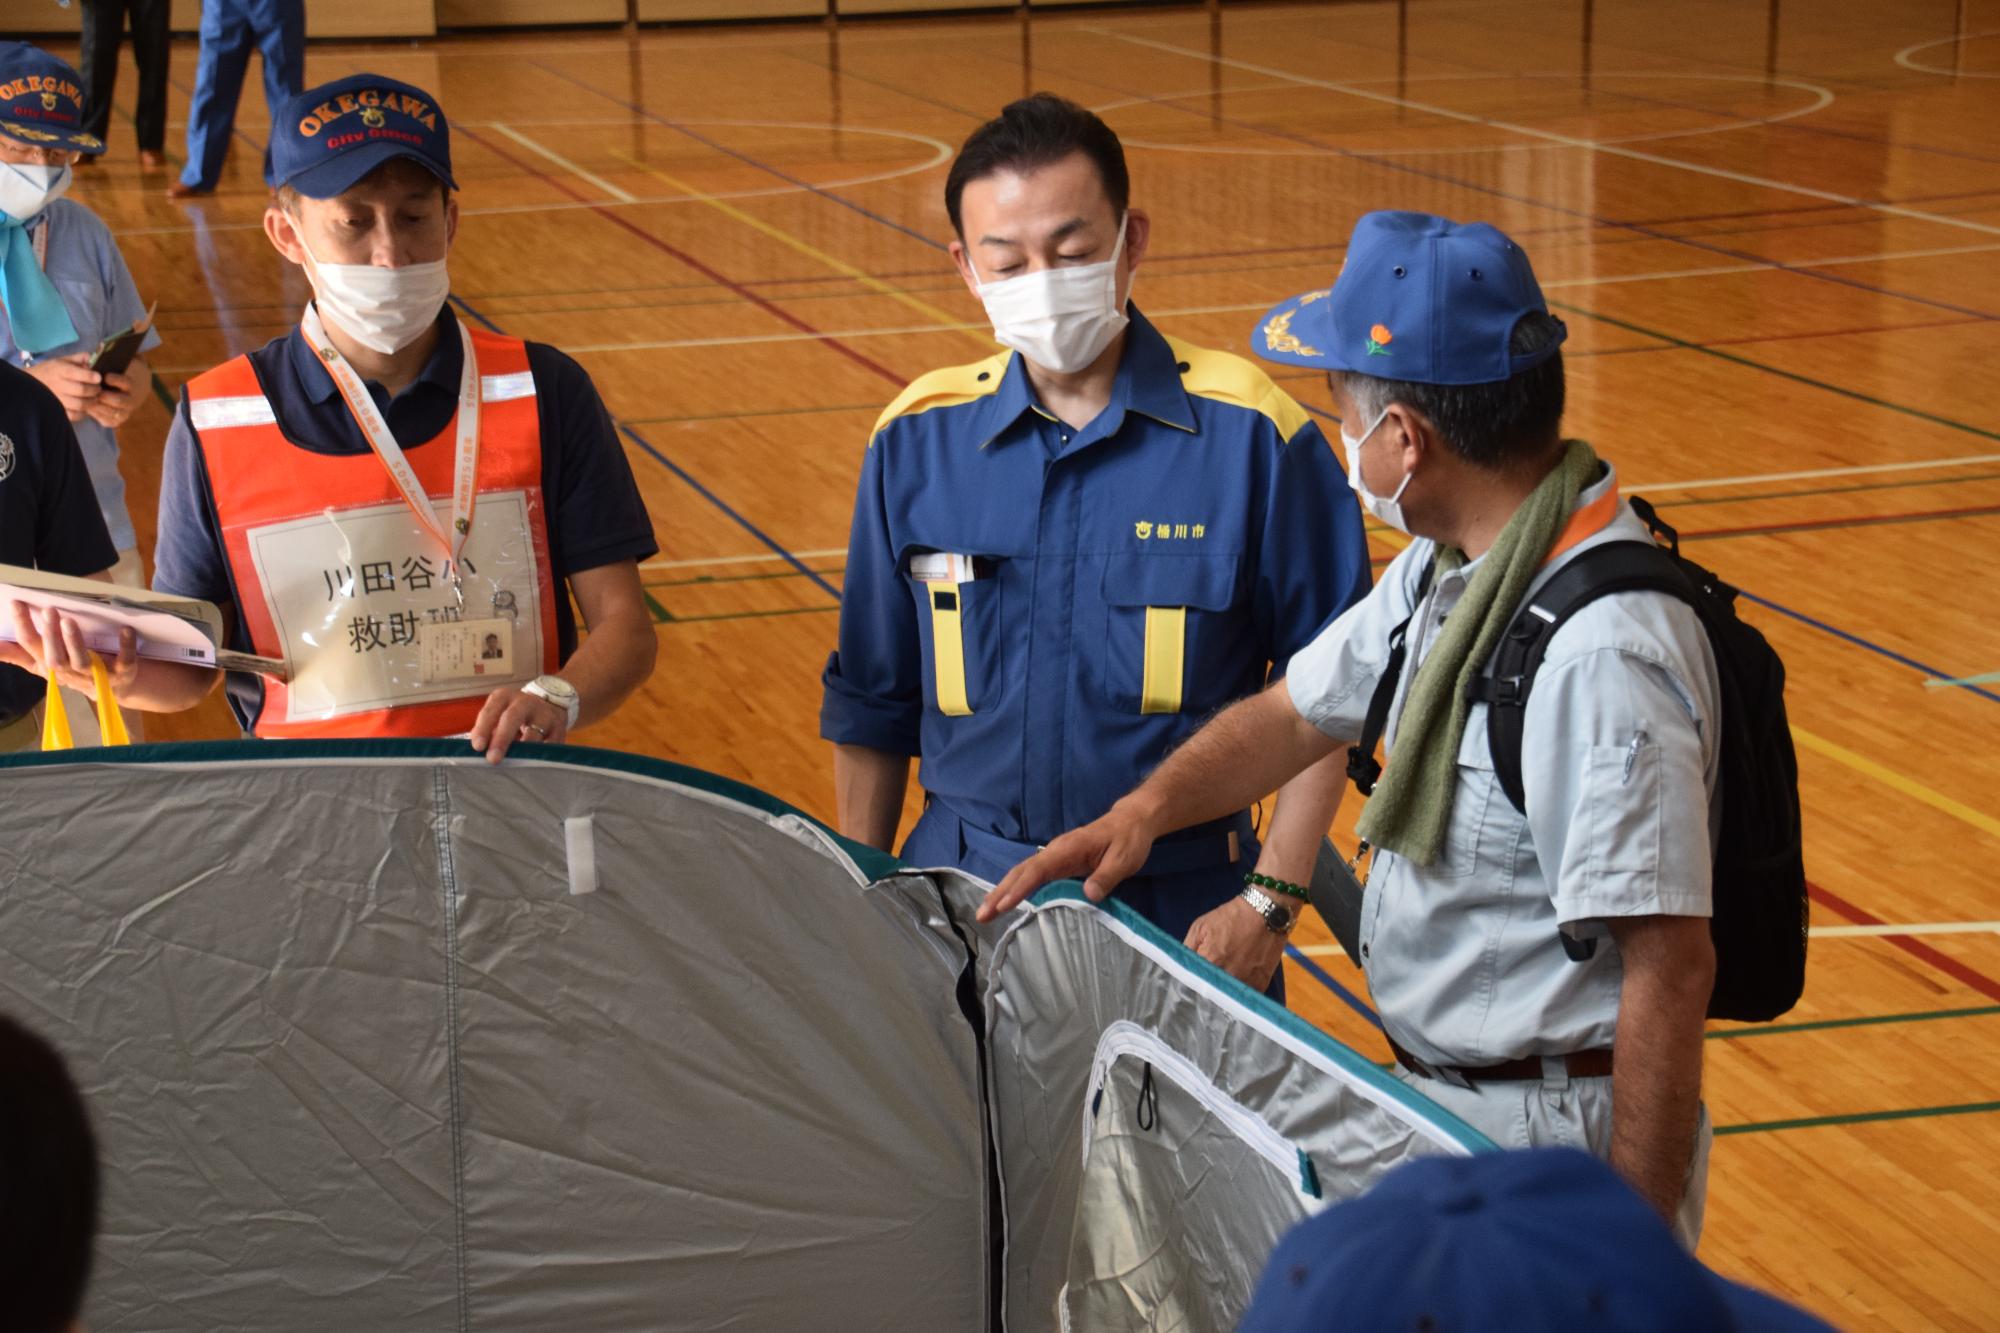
(1325, 978)
(744, 158)
(1930, 672)
(681, 472)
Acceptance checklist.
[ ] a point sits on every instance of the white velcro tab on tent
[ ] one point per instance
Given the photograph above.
(580, 840)
(502, 388)
(221, 413)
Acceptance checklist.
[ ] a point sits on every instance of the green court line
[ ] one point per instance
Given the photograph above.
(1793, 375)
(1768, 1029)
(1857, 1118)
(1936, 683)
(660, 613)
(706, 579)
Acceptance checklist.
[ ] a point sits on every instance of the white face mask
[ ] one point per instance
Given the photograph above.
(1061, 319)
(383, 309)
(26, 190)
(1387, 508)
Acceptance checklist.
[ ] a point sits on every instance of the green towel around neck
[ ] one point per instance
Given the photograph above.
(1411, 807)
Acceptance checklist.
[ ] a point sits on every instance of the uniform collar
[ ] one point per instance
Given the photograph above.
(1149, 383)
(442, 369)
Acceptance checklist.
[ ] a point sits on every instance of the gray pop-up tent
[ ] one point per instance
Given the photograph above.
(377, 1036)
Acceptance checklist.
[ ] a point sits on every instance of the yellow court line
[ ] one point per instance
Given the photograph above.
(1888, 777)
(811, 251)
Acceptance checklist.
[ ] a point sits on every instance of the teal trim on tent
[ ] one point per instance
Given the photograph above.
(874, 863)
(1350, 1060)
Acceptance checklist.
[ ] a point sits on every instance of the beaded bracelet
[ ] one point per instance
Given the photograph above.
(1285, 887)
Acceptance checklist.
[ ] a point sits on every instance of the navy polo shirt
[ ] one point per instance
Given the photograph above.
(49, 517)
(590, 500)
(1176, 551)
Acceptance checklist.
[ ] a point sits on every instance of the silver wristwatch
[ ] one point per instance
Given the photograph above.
(558, 692)
(1278, 918)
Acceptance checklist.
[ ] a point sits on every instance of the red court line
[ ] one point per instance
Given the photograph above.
(609, 215)
(1916, 948)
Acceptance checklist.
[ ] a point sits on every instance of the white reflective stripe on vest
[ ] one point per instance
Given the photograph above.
(505, 388)
(221, 413)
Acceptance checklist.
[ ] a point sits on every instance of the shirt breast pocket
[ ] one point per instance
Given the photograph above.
(1473, 818)
(86, 303)
(1174, 640)
(960, 624)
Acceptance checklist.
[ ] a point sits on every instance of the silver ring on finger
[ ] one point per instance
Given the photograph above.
(542, 732)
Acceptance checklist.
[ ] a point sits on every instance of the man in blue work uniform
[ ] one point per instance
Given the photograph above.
(229, 29)
(1063, 560)
(48, 520)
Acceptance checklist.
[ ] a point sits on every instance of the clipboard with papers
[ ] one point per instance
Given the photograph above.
(169, 629)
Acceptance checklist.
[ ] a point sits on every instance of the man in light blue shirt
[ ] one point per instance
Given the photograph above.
(64, 287)
(1510, 953)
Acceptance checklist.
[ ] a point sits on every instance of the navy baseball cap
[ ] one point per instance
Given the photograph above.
(1420, 298)
(1548, 1239)
(41, 100)
(329, 137)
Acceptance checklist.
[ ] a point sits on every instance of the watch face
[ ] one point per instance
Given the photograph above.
(561, 689)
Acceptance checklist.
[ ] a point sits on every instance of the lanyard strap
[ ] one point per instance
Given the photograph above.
(466, 468)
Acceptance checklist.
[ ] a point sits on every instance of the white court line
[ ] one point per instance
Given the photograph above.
(1550, 136)
(572, 168)
(1903, 56)
(741, 559)
(1815, 474)
(1818, 932)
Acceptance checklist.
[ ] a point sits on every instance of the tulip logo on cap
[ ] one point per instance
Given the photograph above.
(48, 101)
(1379, 339)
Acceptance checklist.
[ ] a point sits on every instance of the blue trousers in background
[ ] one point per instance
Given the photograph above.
(230, 30)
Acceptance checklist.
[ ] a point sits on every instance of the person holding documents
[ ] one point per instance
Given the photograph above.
(49, 520)
(1065, 556)
(373, 495)
(64, 287)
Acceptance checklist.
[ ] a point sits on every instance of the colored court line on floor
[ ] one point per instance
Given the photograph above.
(943, 318)
(1850, 521)
(1916, 948)
(739, 519)
(1871, 1020)
(1988, 678)
(709, 580)
(1895, 781)
(1857, 1118)
(1929, 672)
(610, 215)
(1934, 418)
(700, 138)
(1327, 979)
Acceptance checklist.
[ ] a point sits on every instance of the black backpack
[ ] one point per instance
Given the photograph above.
(1760, 906)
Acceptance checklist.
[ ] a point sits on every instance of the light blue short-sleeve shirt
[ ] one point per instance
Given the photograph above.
(84, 264)
(1619, 765)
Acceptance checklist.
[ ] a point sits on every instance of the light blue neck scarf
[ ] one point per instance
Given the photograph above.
(34, 307)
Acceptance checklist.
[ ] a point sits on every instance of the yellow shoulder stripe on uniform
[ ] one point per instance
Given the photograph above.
(945, 388)
(1229, 378)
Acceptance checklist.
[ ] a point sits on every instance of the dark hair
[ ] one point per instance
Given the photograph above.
(48, 1185)
(1495, 425)
(1036, 132)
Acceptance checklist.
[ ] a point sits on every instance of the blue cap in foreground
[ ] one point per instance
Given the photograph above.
(327, 138)
(1419, 298)
(1548, 1239)
(41, 101)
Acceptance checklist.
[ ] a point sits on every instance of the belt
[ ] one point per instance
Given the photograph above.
(1579, 1064)
(1203, 847)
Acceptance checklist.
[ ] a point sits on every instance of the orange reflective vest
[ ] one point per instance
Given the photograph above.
(257, 478)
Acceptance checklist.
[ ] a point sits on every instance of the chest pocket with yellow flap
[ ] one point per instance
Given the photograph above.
(1169, 644)
(962, 632)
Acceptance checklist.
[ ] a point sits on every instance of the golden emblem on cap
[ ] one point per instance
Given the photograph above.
(372, 117)
(48, 101)
(1278, 336)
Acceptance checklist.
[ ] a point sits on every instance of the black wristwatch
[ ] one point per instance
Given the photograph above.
(1278, 918)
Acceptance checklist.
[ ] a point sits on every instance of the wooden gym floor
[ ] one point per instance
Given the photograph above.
(1773, 232)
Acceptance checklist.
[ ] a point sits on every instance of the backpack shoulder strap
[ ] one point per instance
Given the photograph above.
(1363, 769)
(1614, 567)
